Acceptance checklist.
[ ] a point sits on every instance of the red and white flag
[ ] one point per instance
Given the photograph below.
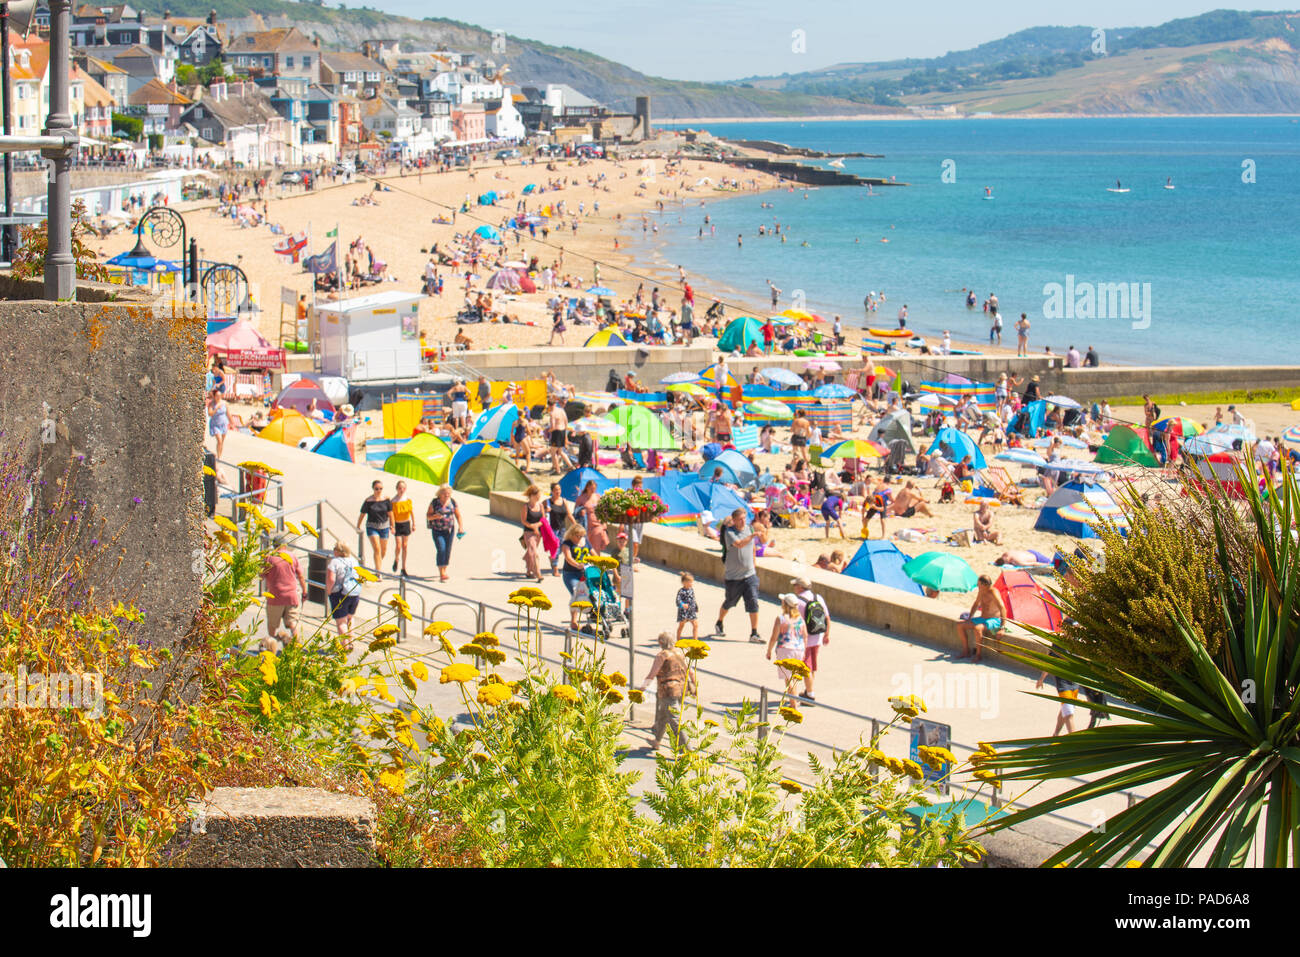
(291, 245)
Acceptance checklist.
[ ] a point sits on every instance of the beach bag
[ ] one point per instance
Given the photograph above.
(814, 617)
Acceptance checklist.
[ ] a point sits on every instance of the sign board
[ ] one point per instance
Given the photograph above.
(930, 734)
(254, 358)
(288, 297)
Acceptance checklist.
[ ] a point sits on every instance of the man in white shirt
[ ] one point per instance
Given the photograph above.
(1072, 358)
(946, 348)
(804, 594)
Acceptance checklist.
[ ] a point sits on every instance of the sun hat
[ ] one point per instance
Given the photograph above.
(801, 583)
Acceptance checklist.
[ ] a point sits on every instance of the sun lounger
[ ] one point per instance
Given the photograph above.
(998, 479)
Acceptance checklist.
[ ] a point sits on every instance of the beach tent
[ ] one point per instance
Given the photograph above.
(736, 469)
(1027, 601)
(495, 424)
(1068, 494)
(643, 430)
(740, 334)
(510, 280)
(1126, 445)
(607, 337)
(954, 445)
(1221, 438)
(425, 459)
(572, 482)
(490, 472)
(488, 198)
(707, 380)
(895, 425)
(298, 396)
(1031, 416)
(1220, 467)
(487, 232)
(338, 444)
(291, 428)
(529, 188)
(714, 497)
(462, 455)
(881, 562)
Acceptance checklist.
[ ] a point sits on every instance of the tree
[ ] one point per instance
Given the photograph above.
(132, 127)
(186, 75)
(211, 71)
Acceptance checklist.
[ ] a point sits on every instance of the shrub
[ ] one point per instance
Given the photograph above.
(29, 259)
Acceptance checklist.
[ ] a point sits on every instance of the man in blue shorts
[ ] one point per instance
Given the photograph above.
(740, 577)
(986, 617)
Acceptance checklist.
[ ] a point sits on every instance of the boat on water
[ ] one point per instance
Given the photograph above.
(837, 163)
(1117, 188)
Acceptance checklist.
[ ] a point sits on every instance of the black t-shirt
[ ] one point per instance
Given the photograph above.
(377, 512)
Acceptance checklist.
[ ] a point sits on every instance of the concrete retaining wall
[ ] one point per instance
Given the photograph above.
(908, 618)
(278, 827)
(116, 391)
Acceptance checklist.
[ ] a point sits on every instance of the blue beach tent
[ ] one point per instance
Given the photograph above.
(880, 561)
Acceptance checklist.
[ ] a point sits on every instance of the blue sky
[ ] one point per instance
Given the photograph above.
(727, 39)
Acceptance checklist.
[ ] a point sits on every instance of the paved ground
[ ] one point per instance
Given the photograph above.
(860, 669)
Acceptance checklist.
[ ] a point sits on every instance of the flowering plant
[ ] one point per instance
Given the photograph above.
(624, 506)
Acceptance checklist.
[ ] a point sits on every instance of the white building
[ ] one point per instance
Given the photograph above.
(502, 118)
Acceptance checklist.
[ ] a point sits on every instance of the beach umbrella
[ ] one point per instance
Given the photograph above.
(487, 232)
(1069, 441)
(1219, 439)
(782, 376)
(826, 365)
(796, 314)
(929, 400)
(1177, 425)
(644, 429)
(855, 449)
(769, 409)
(689, 388)
(781, 320)
(601, 427)
(604, 338)
(834, 391)
(1064, 401)
(462, 455)
(597, 398)
(1079, 466)
(707, 378)
(514, 264)
(600, 291)
(941, 571)
(1022, 457)
(1290, 435)
(495, 424)
(677, 378)
(529, 188)
(1093, 513)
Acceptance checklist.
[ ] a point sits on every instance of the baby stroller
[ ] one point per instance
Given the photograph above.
(606, 605)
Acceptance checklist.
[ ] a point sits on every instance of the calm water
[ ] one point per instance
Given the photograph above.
(1222, 256)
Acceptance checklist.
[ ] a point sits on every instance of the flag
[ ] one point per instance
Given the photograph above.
(291, 245)
(332, 233)
(321, 262)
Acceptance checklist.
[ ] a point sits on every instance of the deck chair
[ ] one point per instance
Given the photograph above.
(999, 479)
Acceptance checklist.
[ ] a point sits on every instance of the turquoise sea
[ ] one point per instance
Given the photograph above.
(1220, 251)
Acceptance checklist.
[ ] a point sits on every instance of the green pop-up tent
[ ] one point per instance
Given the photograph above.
(740, 334)
(424, 459)
(1126, 445)
(643, 430)
(489, 472)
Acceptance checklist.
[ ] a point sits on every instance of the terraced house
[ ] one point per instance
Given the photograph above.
(286, 54)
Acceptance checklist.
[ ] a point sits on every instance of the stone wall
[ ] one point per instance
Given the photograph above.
(110, 391)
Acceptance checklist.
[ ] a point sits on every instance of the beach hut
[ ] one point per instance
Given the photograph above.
(338, 444)
(643, 430)
(895, 425)
(1027, 601)
(425, 459)
(605, 338)
(490, 472)
(1126, 445)
(881, 562)
(298, 395)
(954, 445)
(741, 333)
(291, 428)
(1068, 494)
(495, 424)
(736, 469)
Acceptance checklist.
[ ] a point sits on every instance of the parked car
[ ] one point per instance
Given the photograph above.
(507, 154)
(291, 177)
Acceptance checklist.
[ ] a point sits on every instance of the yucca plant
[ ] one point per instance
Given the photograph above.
(1222, 731)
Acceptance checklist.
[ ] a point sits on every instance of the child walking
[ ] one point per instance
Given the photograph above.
(687, 609)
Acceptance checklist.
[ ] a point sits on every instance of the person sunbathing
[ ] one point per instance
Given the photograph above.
(1020, 557)
(984, 530)
(909, 501)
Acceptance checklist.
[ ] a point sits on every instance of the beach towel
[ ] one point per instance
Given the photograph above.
(549, 540)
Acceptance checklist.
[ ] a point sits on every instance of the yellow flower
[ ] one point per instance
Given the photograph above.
(893, 765)
(292, 527)
(936, 757)
(399, 603)
(528, 591)
(471, 648)
(495, 655)
(987, 748)
(225, 538)
(365, 574)
(913, 769)
(380, 685)
(310, 529)
(386, 640)
(618, 678)
(794, 787)
(613, 696)
(873, 755)
(988, 777)
(791, 714)
(348, 686)
(793, 665)
(582, 605)
(1129, 864)
(541, 603)
(480, 757)
(487, 639)
(259, 467)
(459, 672)
(267, 667)
(223, 522)
(226, 557)
(635, 695)
(394, 781)
(209, 470)
(601, 682)
(566, 693)
(268, 703)
(603, 562)
(407, 679)
(519, 601)
(710, 723)
(566, 656)
(694, 648)
(420, 671)
(494, 694)
(909, 706)
(447, 646)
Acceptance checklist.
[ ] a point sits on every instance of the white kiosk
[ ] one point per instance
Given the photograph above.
(371, 337)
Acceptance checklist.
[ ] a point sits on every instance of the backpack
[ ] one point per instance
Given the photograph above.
(1155, 409)
(722, 539)
(814, 617)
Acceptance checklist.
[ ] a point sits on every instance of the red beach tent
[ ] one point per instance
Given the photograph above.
(1027, 601)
